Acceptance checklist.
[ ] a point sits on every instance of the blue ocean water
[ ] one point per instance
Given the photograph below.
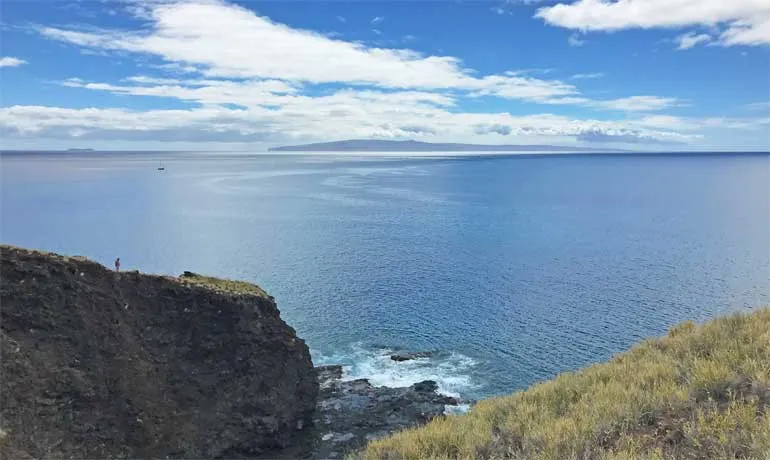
(512, 268)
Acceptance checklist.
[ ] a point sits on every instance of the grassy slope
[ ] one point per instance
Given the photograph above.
(701, 392)
(222, 285)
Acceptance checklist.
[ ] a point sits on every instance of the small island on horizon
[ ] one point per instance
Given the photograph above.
(375, 145)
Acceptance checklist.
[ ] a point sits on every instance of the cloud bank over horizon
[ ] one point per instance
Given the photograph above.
(210, 71)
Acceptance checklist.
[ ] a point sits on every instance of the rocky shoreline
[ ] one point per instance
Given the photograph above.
(349, 413)
(102, 364)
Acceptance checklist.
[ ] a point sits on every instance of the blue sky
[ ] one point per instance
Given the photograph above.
(211, 74)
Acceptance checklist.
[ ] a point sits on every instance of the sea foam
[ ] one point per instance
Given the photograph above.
(452, 371)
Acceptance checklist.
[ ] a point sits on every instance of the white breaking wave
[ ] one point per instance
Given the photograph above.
(451, 371)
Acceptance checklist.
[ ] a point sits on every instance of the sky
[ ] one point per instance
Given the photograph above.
(225, 75)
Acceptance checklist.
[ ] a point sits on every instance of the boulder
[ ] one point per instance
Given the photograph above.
(407, 356)
(426, 386)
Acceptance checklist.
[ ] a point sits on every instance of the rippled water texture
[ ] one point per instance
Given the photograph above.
(513, 268)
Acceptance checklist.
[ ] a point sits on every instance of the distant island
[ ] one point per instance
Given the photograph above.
(80, 150)
(372, 145)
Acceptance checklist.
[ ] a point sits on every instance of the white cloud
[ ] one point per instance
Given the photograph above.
(587, 76)
(753, 31)
(249, 93)
(691, 39)
(142, 79)
(503, 130)
(341, 19)
(625, 104)
(259, 93)
(377, 19)
(743, 22)
(765, 105)
(238, 92)
(380, 117)
(195, 33)
(175, 67)
(512, 85)
(630, 136)
(192, 34)
(574, 40)
(707, 123)
(8, 61)
(61, 123)
(275, 93)
(638, 103)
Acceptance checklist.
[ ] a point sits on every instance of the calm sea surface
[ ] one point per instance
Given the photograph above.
(512, 268)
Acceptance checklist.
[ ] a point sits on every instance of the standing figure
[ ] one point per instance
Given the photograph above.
(117, 264)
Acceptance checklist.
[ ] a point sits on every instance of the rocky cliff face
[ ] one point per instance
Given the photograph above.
(97, 364)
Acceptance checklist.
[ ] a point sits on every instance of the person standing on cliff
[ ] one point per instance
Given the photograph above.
(117, 264)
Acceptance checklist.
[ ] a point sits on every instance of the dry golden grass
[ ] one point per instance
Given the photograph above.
(701, 392)
(222, 285)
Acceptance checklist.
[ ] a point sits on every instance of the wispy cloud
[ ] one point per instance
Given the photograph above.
(9, 61)
(690, 40)
(623, 104)
(639, 103)
(765, 106)
(377, 19)
(341, 19)
(587, 76)
(575, 40)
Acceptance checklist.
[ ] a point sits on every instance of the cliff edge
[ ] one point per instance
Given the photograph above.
(99, 364)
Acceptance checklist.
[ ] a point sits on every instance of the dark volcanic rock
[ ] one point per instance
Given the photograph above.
(426, 386)
(351, 413)
(411, 355)
(328, 374)
(97, 364)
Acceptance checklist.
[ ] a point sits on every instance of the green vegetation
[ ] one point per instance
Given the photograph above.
(701, 392)
(222, 285)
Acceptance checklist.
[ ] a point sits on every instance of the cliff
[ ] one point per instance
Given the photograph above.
(701, 392)
(97, 364)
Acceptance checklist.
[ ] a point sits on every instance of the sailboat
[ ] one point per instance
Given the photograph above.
(160, 167)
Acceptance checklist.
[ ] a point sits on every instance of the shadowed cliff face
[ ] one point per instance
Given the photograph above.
(98, 364)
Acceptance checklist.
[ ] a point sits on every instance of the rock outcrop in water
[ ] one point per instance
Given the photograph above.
(352, 412)
(410, 355)
(97, 364)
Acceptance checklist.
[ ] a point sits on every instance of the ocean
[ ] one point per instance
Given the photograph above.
(511, 269)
